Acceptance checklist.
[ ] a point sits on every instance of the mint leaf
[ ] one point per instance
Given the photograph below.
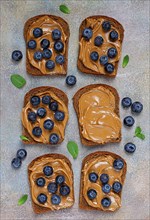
(64, 9)
(73, 149)
(17, 80)
(138, 130)
(24, 138)
(125, 61)
(141, 136)
(23, 199)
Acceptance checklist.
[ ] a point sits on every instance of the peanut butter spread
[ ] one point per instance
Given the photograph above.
(97, 118)
(86, 47)
(47, 24)
(60, 167)
(102, 164)
(59, 126)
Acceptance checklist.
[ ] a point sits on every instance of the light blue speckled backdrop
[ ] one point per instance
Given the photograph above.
(132, 81)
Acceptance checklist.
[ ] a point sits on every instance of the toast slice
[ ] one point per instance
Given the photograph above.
(59, 126)
(101, 162)
(87, 46)
(84, 105)
(47, 23)
(61, 166)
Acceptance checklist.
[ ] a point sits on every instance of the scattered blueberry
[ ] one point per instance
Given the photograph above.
(17, 55)
(59, 46)
(60, 59)
(55, 199)
(104, 178)
(21, 154)
(45, 43)
(113, 36)
(106, 188)
(126, 102)
(59, 115)
(118, 164)
(106, 202)
(60, 179)
(46, 99)
(54, 138)
(137, 107)
(42, 198)
(93, 177)
(41, 112)
(91, 193)
(40, 182)
(98, 41)
(38, 55)
(47, 53)
(35, 100)
(48, 171)
(64, 190)
(56, 34)
(109, 67)
(48, 124)
(37, 32)
(129, 121)
(50, 64)
(37, 131)
(106, 26)
(53, 106)
(52, 187)
(16, 163)
(32, 116)
(71, 80)
(103, 60)
(116, 187)
(112, 52)
(94, 56)
(130, 147)
(32, 44)
(87, 33)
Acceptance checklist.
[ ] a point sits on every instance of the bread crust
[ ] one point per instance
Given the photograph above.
(120, 28)
(76, 98)
(33, 70)
(33, 92)
(38, 209)
(82, 202)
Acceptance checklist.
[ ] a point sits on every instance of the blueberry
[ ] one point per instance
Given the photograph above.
(64, 190)
(41, 112)
(59, 46)
(87, 33)
(45, 43)
(32, 44)
(98, 41)
(42, 198)
(47, 53)
(56, 34)
(59, 115)
(113, 36)
(60, 59)
(40, 182)
(104, 178)
(50, 64)
(53, 106)
(137, 107)
(112, 52)
(71, 80)
(32, 116)
(109, 67)
(91, 193)
(46, 99)
(106, 26)
(37, 32)
(35, 100)
(106, 188)
(52, 187)
(106, 202)
(60, 179)
(54, 138)
(48, 124)
(103, 60)
(94, 56)
(16, 163)
(117, 187)
(118, 164)
(37, 131)
(130, 147)
(128, 121)
(38, 55)
(48, 171)
(17, 55)
(126, 102)
(93, 177)
(21, 154)
(55, 200)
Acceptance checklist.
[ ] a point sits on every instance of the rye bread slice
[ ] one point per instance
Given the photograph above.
(33, 70)
(33, 92)
(38, 209)
(83, 25)
(82, 202)
(76, 98)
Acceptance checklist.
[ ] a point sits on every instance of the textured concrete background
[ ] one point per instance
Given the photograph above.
(132, 81)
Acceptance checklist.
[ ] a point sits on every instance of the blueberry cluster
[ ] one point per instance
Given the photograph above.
(54, 188)
(98, 41)
(17, 161)
(116, 187)
(41, 113)
(45, 52)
